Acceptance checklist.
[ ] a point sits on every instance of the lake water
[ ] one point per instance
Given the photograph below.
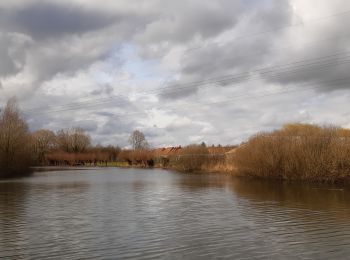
(156, 214)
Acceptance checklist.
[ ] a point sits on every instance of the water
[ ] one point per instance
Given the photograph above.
(155, 214)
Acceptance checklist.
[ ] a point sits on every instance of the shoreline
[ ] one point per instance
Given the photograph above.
(340, 182)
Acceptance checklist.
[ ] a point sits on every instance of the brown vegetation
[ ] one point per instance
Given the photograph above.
(74, 140)
(193, 158)
(199, 158)
(43, 141)
(69, 147)
(139, 157)
(20, 149)
(15, 153)
(297, 152)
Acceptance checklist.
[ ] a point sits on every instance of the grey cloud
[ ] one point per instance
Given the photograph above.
(65, 38)
(7, 64)
(271, 17)
(12, 53)
(104, 113)
(105, 89)
(45, 19)
(178, 90)
(116, 125)
(180, 21)
(238, 55)
(87, 125)
(326, 43)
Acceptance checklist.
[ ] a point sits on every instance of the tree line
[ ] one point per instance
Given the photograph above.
(294, 152)
(20, 149)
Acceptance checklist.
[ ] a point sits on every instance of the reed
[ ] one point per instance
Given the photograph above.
(297, 152)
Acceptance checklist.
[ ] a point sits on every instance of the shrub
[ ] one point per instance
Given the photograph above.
(192, 158)
(297, 152)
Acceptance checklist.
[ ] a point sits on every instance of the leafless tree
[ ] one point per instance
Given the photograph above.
(14, 141)
(137, 140)
(73, 140)
(80, 140)
(43, 141)
(63, 142)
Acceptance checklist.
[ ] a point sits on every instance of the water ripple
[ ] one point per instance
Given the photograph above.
(144, 214)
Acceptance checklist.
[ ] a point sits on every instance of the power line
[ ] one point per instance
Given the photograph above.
(278, 28)
(275, 76)
(307, 86)
(271, 72)
(274, 29)
(290, 25)
(251, 53)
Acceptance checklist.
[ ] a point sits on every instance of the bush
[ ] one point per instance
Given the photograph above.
(297, 152)
(192, 158)
(140, 157)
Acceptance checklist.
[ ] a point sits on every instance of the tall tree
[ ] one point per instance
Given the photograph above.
(138, 140)
(15, 157)
(73, 140)
(63, 142)
(43, 141)
(80, 140)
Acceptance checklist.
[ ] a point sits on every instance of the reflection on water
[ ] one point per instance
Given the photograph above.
(147, 214)
(315, 197)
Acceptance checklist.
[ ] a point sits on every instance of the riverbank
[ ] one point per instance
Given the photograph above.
(296, 152)
(216, 169)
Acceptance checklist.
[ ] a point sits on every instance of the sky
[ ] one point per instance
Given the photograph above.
(181, 72)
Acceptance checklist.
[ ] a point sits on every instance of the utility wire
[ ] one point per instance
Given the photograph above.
(298, 88)
(278, 28)
(290, 25)
(270, 72)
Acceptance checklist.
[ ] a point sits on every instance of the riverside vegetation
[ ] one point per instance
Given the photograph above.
(295, 152)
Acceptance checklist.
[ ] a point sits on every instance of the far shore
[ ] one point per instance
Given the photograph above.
(60, 168)
(123, 166)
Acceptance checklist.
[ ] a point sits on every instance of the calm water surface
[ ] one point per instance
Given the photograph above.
(152, 214)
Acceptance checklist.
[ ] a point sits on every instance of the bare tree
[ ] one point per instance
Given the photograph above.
(14, 141)
(73, 140)
(138, 141)
(80, 140)
(43, 141)
(63, 142)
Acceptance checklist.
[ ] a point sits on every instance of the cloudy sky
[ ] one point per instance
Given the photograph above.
(180, 71)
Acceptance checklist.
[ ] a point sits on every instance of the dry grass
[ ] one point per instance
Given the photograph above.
(138, 157)
(192, 158)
